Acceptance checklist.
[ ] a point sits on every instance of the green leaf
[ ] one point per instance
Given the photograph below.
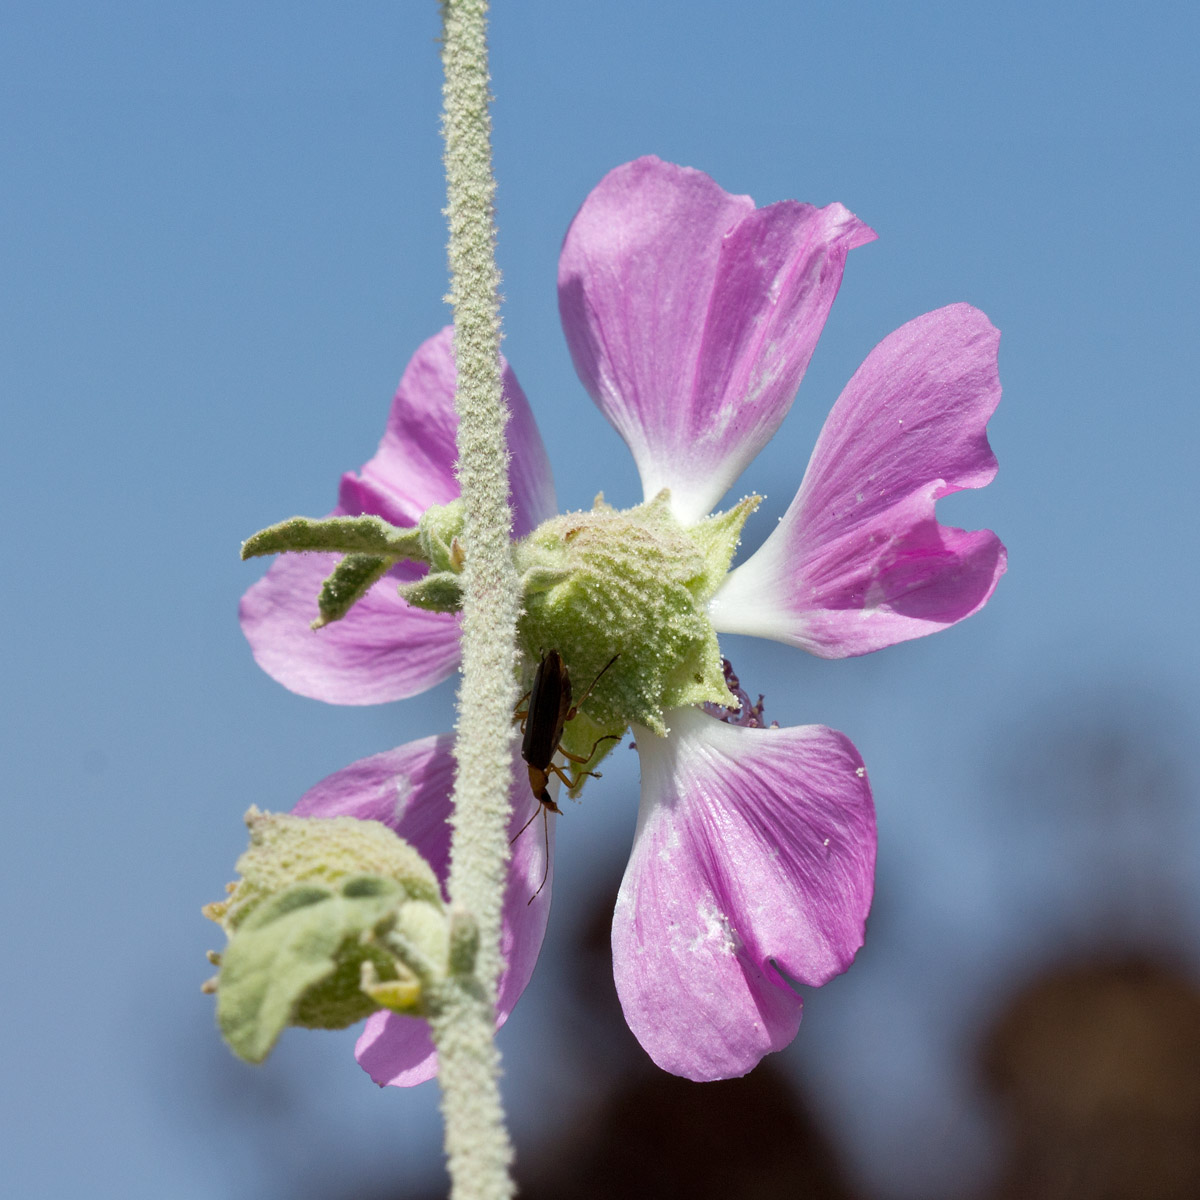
(340, 535)
(439, 591)
(287, 947)
(350, 581)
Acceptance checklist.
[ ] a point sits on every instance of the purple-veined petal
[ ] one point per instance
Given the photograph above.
(754, 855)
(691, 317)
(408, 789)
(383, 649)
(859, 560)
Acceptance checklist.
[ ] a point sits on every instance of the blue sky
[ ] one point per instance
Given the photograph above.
(221, 239)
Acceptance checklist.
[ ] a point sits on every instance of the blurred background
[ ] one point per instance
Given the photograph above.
(220, 241)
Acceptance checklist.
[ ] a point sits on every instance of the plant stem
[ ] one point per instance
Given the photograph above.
(477, 1144)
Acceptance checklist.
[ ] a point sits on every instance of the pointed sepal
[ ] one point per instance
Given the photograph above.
(717, 538)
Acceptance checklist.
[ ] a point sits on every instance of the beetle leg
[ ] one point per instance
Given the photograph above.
(557, 770)
(573, 782)
(583, 758)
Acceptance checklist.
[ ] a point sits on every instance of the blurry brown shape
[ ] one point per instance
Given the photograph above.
(647, 1133)
(1098, 1070)
(663, 1137)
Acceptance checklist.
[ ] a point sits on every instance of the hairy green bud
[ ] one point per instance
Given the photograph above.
(332, 919)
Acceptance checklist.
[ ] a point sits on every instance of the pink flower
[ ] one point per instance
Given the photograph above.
(691, 317)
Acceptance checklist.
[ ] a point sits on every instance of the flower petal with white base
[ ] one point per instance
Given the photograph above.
(753, 863)
(859, 560)
(691, 316)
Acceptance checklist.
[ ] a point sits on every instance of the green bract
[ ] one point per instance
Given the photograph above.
(285, 850)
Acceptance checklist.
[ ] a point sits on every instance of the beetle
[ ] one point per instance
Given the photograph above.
(542, 723)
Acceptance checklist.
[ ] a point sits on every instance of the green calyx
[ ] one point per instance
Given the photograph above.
(634, 584)
(332, 919)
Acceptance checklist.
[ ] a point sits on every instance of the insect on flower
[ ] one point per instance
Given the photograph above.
(548, 710)
(542, 722)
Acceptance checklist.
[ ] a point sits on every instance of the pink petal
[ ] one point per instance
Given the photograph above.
(691, 317)
(754, 860)
(859, 560)
(414, 465)
(408, 789)
(384, 649)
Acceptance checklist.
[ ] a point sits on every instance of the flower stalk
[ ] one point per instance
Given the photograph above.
(477, 1143)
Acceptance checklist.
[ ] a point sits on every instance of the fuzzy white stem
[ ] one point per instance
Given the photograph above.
(477, 1143)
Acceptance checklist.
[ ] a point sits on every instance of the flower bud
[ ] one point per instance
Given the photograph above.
(332, 919)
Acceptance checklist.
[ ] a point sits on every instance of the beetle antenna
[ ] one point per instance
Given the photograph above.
(546, 872)
(525, 827)
(579, 703)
